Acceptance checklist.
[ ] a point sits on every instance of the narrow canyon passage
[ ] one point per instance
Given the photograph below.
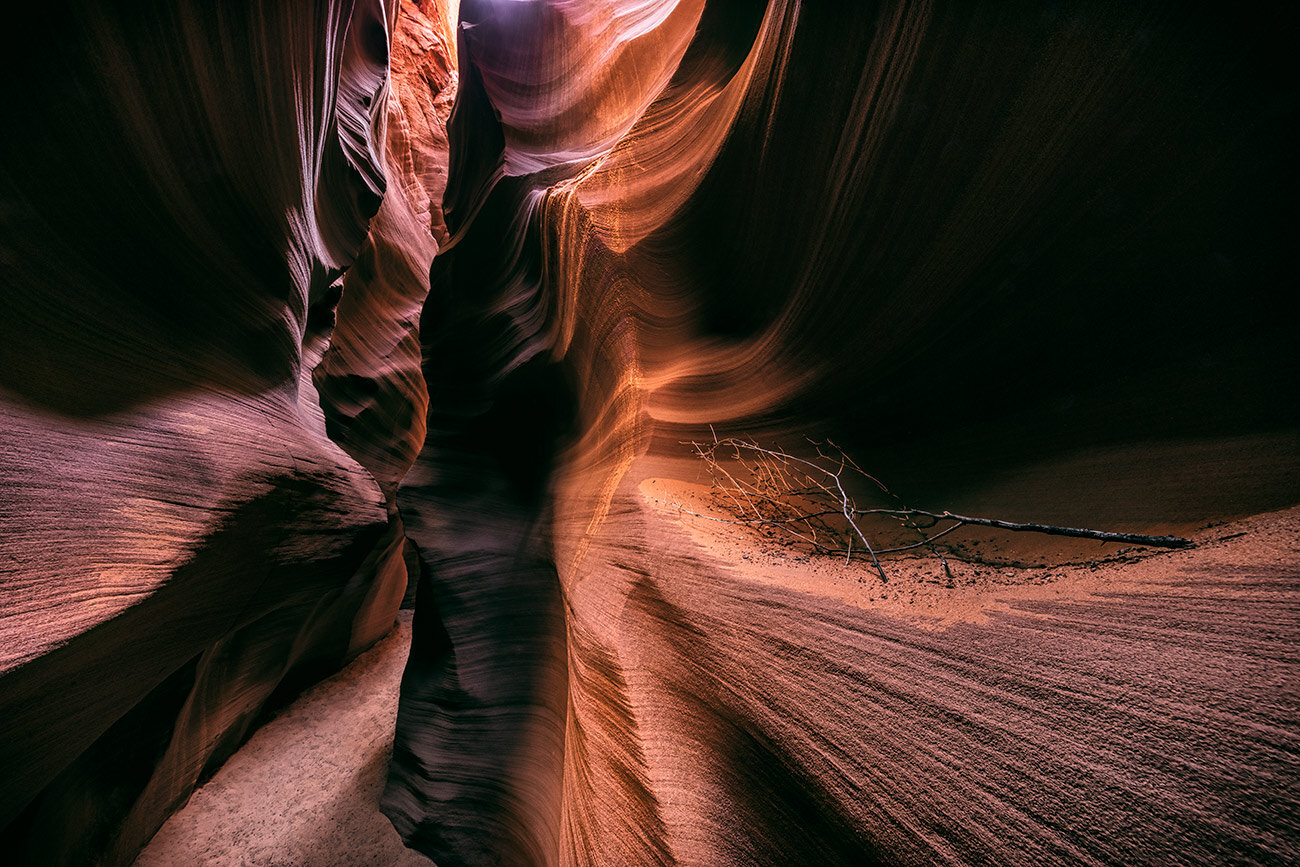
(321, 312)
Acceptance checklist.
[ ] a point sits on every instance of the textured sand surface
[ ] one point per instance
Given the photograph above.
(304, 791)
(1134, 710)
(1078, 714)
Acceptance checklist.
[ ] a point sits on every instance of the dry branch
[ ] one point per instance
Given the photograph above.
(809, 501)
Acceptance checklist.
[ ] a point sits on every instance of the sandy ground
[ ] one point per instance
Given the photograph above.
(304, 791)
(987, 570)
(1097, 704)
(931, 694)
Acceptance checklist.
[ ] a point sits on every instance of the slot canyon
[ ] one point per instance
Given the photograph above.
(511, 329)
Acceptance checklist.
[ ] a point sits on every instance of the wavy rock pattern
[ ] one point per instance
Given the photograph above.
(1027, 260)
(182, 544)
(370, 382)
(1021, 260)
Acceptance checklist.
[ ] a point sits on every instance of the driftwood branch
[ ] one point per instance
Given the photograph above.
(1046, 529)
(810, 502)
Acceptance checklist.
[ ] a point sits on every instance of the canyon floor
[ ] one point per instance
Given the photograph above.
(305, 788)
(1064, 712)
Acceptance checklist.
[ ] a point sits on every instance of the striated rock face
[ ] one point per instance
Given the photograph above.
(371, 387)
(1022, 260)
(182, 541)
(1029, 261)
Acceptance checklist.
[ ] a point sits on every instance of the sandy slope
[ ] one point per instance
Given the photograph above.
(988, 570)
(1142, 711)
(304, 791)
(1130, 708)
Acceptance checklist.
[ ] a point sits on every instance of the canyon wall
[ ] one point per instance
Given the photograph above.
(261, 378)
(1024, 260)
(183, 542)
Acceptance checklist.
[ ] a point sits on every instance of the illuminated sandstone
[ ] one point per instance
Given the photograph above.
(1024, 262)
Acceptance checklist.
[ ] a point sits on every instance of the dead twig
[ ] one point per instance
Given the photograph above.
(1046, 529)
(810, 502)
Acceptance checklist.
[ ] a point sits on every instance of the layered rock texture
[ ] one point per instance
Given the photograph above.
(1023, 261)
(195, 509)
(257, 368)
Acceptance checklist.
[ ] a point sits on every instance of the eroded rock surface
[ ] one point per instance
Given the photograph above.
(1017, 260)
(182, 543)
(1029, 261)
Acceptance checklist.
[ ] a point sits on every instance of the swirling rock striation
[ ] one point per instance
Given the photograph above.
(371, 386)
(1027, 260)
(1022, 258)
(182, 545)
